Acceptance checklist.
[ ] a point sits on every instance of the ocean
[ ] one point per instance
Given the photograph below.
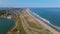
(51, 15)
(5, 25)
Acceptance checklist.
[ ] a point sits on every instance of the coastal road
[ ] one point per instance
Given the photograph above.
(25, 26)
(25, 23)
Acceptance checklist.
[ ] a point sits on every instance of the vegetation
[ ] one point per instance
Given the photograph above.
(19, 27)
(31, 24)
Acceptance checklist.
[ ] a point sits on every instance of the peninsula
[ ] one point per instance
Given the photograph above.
(26, 23)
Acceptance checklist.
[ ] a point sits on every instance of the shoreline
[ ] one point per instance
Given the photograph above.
(14, 26)
(48, 26)
(45, 21)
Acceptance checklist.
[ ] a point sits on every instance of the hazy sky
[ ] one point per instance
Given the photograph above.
(29, 3)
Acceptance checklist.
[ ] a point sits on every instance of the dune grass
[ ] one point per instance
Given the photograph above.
(32, 24)
(19, 27)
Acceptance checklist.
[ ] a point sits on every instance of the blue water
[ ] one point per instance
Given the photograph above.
(5, 8)
(51, 14)
(5, 25)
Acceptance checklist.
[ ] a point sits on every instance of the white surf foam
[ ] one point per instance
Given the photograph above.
(45, 20)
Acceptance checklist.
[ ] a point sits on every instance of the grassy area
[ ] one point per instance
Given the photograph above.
(19, 27)
(34, 32)
(14, 32)
(49, 31)
(31, 24)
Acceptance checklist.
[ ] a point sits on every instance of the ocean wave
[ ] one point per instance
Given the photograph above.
(43, 19)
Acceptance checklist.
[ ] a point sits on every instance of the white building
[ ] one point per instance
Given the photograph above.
(9, 17)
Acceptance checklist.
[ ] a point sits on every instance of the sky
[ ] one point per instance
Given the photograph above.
(29, 3)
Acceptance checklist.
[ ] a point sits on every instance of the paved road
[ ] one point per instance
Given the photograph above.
(25, 26)
(25, 23)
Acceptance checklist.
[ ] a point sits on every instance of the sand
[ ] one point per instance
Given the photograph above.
(44, 24)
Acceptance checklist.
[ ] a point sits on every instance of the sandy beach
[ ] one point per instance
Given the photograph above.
(34, 19)
(43, 24)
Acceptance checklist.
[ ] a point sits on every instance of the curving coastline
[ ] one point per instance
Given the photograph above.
(51, 27)
(15, 25)
(44, 20)
(44, 23)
